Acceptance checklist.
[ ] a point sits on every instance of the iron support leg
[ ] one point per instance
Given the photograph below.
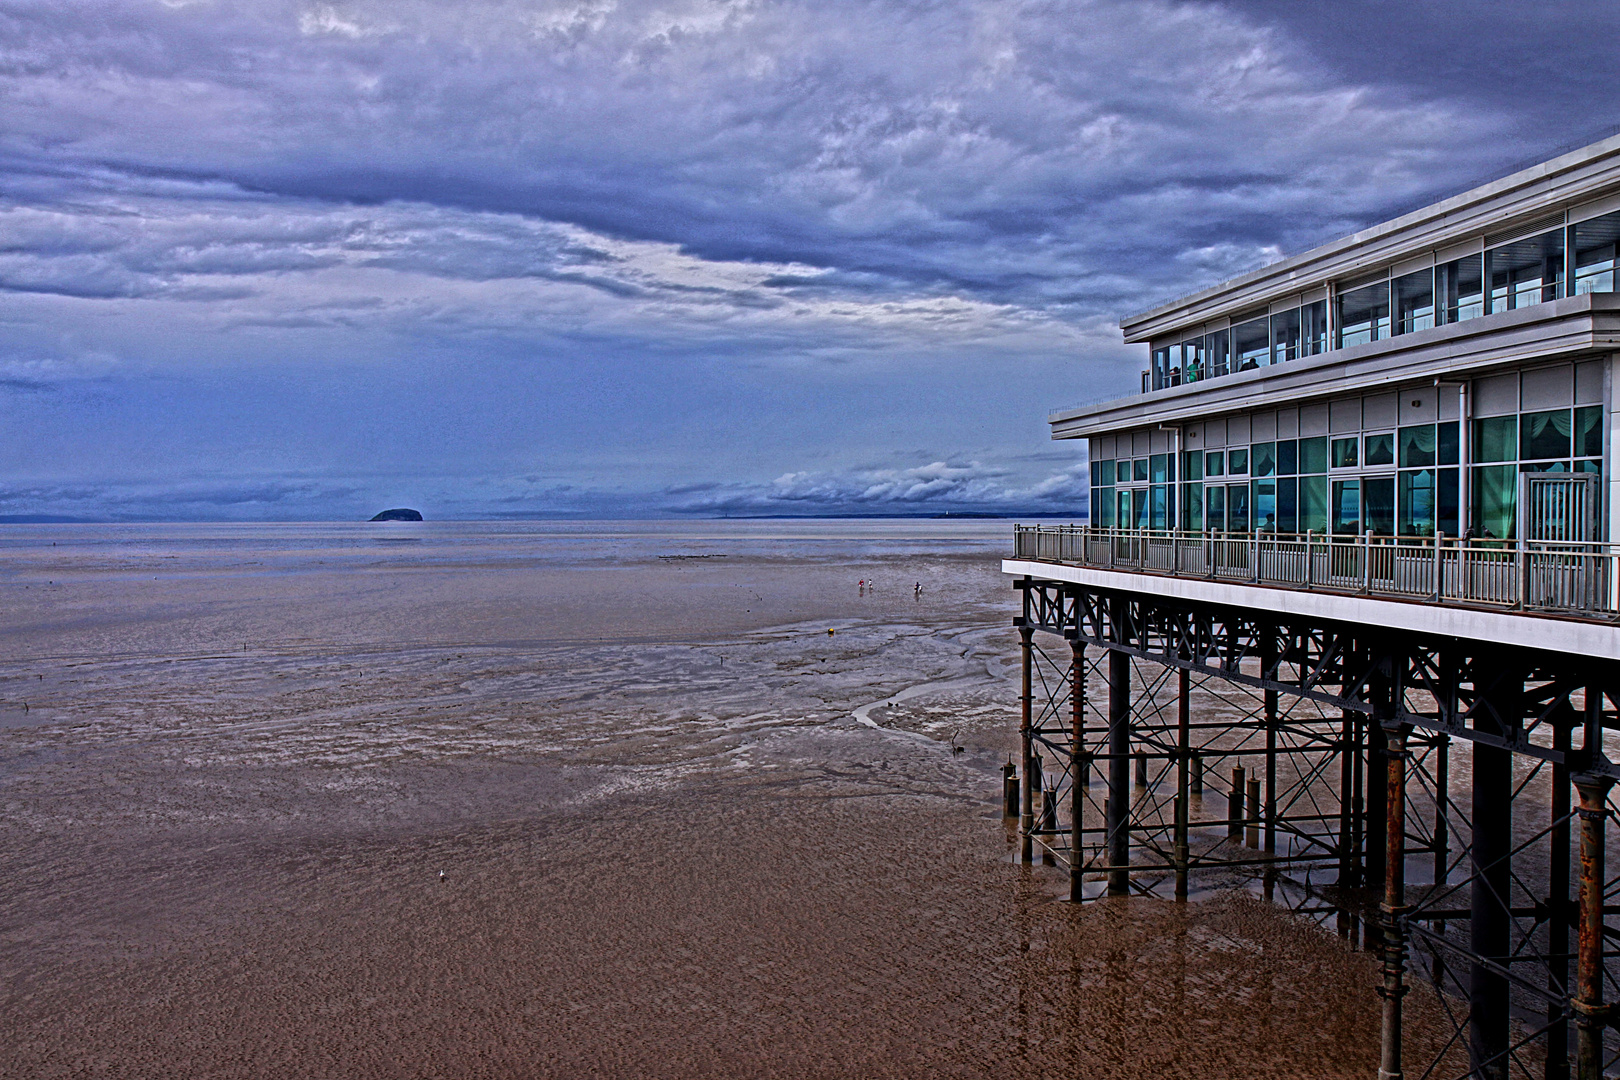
(1119, 772)
(1026, 704)
(1489, 913)
(1394, 906)
(1080, 764)
(1183, 781)
(1268, 663)
(1557, 1065)
(1590, 1014)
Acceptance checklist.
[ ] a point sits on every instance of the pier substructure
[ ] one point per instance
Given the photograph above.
(1412, 787)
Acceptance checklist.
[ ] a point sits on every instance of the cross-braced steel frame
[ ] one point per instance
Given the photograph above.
(1452, 794)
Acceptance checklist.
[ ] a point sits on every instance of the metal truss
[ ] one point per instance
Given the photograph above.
(1432, 789)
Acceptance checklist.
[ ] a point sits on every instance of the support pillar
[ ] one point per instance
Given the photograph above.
(1269, 660)
(1026, 735)
(1080, 764)
(1558, 907)
(1183, 780)
(1591, 1015)
(1119, 762)
(1394, 905)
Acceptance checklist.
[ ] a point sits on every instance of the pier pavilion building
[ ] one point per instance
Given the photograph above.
(1345, 613)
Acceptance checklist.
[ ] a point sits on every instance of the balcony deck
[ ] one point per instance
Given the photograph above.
(1561, 597)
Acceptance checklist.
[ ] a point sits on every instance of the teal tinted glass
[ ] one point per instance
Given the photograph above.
(1193, 464)
(1448, 443)
(1264, 459)
(1346, 453)
(1139, 469)
(1237, 462)
(1215, 463)
(1313, 455)
(1496, 438)
(1417, 446)
(1122, 472)
(1313, 504)
(1287, 457)
(1544, 434)
(1378, 449)
(1589, 431)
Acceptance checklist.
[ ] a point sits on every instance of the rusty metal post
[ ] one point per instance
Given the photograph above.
(1026, 733)
(1394, 905)
(1080, 766)
(1183, 780)
(1009, 790)
(1252, 805)
(1119, 772)
(1591, 1016)
(1348, 861)
(1270, 657)
(1558, 907)
(1234, 806)
(1197, 773)
(1141, 759)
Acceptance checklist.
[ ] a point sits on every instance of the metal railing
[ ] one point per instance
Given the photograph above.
(1573, 578)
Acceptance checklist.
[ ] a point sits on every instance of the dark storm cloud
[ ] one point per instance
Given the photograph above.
(688, 242)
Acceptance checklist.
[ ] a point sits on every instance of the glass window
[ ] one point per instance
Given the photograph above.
(1461, 288)
(1527, 271)
(1215, 463)
(1103, 501)
(1192, 465)
(1237, 507)
(1447, 503)
(1287, 505)
(1544, 434)
(1544, 466)
(1161, 368)
(1287, 457)
(1346, 453)
(1414, 301)
(1313, 454)
(1496, 489)
(1161, 506)
(1448, 443)
(1192, 509)
(1140, 507)
(1314, 330)
(1122, 472)
(1102, 472)
(1285, 336)
(1595, 253)
(1218, 352)
(1237, 462)
(1215, 507)
(1589, 431)
(1265, 505)
(1313, 505)
(1417, 502)
(1496, 438)
(1378, 449)
(1159, 468)
(1251, 342)
(1378, 505)
(1364, 314)
(1417, 446)
(1139, 469)
(1346, 507)
(1192, 360)
(1264, 457)
(1124, 519)
(1589, 467)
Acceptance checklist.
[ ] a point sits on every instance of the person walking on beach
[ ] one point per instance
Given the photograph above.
(916, 591)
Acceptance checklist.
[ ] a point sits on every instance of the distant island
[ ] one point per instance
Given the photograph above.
(399, 514)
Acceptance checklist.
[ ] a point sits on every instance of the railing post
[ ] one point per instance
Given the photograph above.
(1254, 565)
(1438, 568)
(1310, 558)
(1366, 562)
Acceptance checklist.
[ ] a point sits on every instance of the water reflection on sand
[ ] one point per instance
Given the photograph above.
(684, 830)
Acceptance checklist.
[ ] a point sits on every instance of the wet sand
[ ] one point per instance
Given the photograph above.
(683, 830)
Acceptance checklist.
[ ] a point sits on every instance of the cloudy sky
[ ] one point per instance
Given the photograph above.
(275, 259)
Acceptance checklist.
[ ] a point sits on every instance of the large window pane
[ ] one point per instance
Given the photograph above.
(1192, 465)
(1122, 517)
(1461, 288)
(1346, 453)
(1265, 505)
(1104, 504)
(1122, 472)
(1379, 449)
(1218, 352)
(1192, 360)
(1417, 502)
(1140, 508)
(1347, 507)
(1589, 431)
(1251, 342)
(1159, 468)
(1595, 253)
(1237, 507)
(1287, 457)
(1527, 271)
(1215, 463)
(1449, 443)
(1417, 446)
(1313, 504)
(1139, 469)
(1285, 336)
(1215, 507)
(1364, 314)
(1414, 301)
(1313, 455)
(1496, 438)
(1544, 435)
(1447, 502)
(1102, 472)
(1192, 508)
(1313, 328)
(1287, 505)
(1237, 462)
(1161, 507)
(1263, 457)
(1161, 368)
(1496, 489)
(1378, 505)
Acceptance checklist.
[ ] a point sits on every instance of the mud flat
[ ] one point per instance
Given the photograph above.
(682, 830)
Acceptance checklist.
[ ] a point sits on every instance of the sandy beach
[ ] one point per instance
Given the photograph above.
(605, 800)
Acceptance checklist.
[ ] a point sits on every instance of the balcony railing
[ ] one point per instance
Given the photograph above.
(1569, 578)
